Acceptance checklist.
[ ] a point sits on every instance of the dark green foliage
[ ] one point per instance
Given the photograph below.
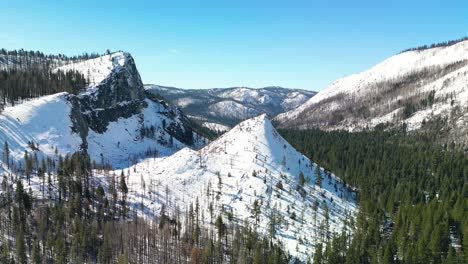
(410, 190)
(30, 74)
(301, 179)
(409, 109)
(318, 177)
(18, 85)
(279, 185)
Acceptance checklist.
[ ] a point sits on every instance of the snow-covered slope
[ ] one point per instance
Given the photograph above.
(216, 127)
(231, 109)
(247, 164)
(229, 106)
(44, 121)
(97, 69)
(381, 93)
(113, 120)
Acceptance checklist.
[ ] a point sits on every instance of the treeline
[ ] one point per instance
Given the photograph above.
(18, 58)
(30, 74)
(437, 45)
(18, 85)
(78, 219)
(410, 190)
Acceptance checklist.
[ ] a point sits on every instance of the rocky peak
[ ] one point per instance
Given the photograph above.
(119, 94)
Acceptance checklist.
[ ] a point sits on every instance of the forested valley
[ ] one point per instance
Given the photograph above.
(411, 192)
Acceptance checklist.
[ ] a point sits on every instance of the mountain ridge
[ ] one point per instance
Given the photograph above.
(250, 164)
(229, 106)
(412, 88)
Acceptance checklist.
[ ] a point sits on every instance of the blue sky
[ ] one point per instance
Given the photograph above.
(224, 43)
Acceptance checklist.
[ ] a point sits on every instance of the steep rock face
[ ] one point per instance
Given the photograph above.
(416, 88)
(120, 94)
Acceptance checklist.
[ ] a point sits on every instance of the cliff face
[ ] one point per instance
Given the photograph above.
(118, 94)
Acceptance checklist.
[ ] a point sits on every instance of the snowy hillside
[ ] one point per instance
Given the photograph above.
(247, 166)
(113, 119)
(229, 106)
(410, 87)
(44, 121)
(97, 69)
(216, 127)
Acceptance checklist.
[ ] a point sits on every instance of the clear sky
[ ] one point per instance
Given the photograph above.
(224, 43)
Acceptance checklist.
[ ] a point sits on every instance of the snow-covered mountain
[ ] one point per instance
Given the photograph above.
(251, 164)
(250, 174)
(228, 106)
(415, 87)
(114, 120)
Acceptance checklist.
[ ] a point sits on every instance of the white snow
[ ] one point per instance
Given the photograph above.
(252, 145)
(293, 100)
(97, 69)
(121, 144)
(186, 101)
(216, 126)
(232, 109)
(44, 121)
(360, 85)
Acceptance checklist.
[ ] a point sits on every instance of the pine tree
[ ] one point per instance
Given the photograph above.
(124, 191)
(4, 252)
(318, 177)
(220, 226)
(21, 247)
(6, 154)
(301, 179)
(36, 253)
(258, 257)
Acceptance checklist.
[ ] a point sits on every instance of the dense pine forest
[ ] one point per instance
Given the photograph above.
(412, 195)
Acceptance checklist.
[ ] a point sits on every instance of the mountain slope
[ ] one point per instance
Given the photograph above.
(251, 164)
(113, 119)
(44, 121)
(414, 87)
(228, 106)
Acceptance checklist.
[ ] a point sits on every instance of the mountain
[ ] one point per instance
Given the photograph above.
(424, 88)
(113, 119)
(250, 175)
(250, 168)
(221, 108)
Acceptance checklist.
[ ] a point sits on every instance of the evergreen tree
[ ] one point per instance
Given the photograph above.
(6, 154)
(20, 246)
(318, 177)
(301, 179)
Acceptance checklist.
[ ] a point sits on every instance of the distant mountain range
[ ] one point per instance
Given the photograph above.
(221, 108)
